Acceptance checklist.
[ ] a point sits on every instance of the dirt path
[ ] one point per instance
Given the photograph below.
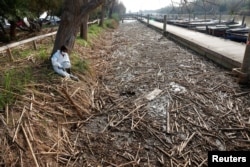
(163, 105)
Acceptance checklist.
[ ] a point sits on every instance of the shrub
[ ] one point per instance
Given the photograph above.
(111, 23)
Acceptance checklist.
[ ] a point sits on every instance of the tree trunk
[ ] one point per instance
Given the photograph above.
(2, 28)
(13, 30)
(102, 15)
(111, 9)
(73, 12)
(84, 28)
(84, 25)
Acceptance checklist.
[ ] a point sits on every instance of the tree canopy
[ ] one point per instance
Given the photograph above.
(15, 9)
(210, 6)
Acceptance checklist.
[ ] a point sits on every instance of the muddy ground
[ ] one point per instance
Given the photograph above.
(147, 101)
(163, 105)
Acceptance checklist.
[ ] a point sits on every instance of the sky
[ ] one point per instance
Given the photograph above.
(137, 5)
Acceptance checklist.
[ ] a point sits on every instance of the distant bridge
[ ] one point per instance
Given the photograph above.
(129, 17)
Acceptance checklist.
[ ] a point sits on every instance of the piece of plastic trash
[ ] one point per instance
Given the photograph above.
(153, 94)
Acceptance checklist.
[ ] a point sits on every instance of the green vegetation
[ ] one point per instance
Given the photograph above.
(31, 66)
(81, 65)
(13, 82)
(81, 42)
(28, 67)
(43, 52)
(22, 54)
(39, 55)
(111, 24)
(94, 30)
(116, 17)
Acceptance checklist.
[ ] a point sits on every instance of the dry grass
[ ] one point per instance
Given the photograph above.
(35, 125)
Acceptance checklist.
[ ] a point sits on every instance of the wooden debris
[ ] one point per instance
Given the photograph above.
(30, 146)
(18, 125)
(76, 106)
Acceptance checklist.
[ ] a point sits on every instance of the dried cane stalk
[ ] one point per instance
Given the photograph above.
(30, 146)
(18, 125)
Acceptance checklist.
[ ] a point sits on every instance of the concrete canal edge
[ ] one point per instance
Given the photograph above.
(216, 57)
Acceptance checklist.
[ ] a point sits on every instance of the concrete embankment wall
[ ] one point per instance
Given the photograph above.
(225, 53)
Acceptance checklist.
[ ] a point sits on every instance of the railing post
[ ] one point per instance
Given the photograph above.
(52, 38)
(35, 45)
(243, 20)
(165, 25)
(10, 54)
(244, 72)
(148, 19)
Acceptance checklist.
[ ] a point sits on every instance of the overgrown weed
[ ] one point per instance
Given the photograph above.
(33, 66)
(13, 82)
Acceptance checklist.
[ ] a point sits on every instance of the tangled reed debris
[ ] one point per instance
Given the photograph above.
(109, 119)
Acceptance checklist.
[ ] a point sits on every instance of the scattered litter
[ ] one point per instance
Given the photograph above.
(176, 88)
(153, 94)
